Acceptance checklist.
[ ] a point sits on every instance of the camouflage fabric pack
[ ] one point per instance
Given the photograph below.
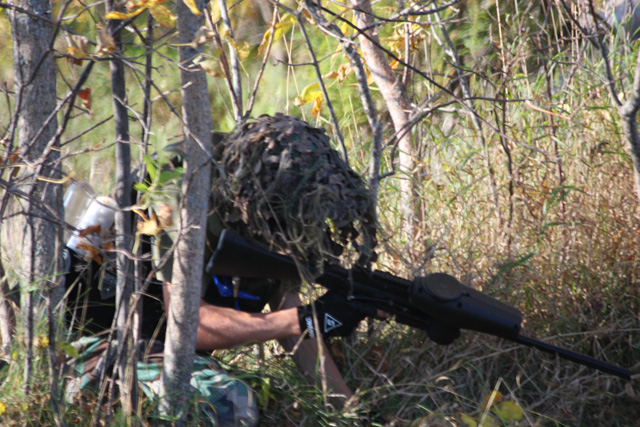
(223, 400)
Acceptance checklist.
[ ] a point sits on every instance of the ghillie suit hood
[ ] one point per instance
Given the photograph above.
(279, 182)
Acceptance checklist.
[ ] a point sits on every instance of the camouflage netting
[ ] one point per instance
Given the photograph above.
(287, 187)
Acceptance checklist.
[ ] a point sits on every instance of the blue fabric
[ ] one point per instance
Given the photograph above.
(225, 288)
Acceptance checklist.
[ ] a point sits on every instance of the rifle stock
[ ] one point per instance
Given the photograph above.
(437, 303)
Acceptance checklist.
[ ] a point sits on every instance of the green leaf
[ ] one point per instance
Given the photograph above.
(151, 166)
(141, 187)
(509, 412)
(557, 195)
(69, 350)
(519, 262)
(468, 420)
(166, 176)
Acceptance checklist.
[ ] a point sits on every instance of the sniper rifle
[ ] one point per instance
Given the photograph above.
(437, 303)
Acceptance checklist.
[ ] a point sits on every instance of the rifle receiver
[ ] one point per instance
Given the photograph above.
(445, 298)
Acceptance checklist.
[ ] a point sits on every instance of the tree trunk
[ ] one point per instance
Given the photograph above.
(7, 320)
(124, 288)
(35, 88)
(182, 316)
(629, 113)
(399, 106)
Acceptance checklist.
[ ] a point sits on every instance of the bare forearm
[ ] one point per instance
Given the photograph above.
(221, 327)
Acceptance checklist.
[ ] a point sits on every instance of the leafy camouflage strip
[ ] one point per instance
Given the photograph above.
(284, 185)
(223, 399)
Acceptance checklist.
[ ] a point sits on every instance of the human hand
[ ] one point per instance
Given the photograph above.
(337, 316)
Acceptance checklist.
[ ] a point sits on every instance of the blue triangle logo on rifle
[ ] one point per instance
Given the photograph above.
(330, 323)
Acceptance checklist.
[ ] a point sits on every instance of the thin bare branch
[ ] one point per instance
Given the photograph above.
(323, 88)
(233, 57)
(265, 58)
(236, 98)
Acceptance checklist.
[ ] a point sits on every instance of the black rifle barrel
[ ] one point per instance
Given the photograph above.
(574, 357)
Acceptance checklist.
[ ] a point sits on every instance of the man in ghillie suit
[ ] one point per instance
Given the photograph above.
(277, 181)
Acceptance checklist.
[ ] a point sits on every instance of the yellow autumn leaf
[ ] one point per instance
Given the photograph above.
(287, 17)
(344, 28)
(149, 227)
(265, 41)
(343, 71)
(41, 342)
(509, 411)
(75, 52)
(243, 50)
(280, 29)
(163, 15)
(367, 73)
(331, 75)
(309, 94)
(134, 9)
(491, 399)
(137, 209)
(120, 15)
(117, 15)
(317, 106)
(3, 408)
(191, 4)
(91, 252)
(215, 11)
